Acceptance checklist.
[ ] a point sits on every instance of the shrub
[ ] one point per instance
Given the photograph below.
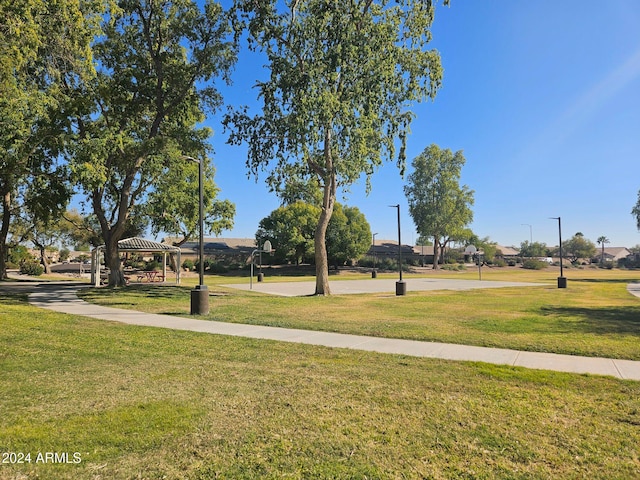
(31, 267)
(188, 264)
(498, 262)
(215, 267)
(454, 268)
(64, 254)
(533, 264)
(382, 263)
(152, 265)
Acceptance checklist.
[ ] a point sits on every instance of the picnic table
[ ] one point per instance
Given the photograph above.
(151, 276)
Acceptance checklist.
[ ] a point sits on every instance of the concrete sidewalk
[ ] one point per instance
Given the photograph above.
(63, 298)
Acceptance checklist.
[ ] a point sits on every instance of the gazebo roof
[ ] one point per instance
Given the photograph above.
(137, 244)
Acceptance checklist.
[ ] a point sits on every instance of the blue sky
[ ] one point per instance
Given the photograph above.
(543, 98)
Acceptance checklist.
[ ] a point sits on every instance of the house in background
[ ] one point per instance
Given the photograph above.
(612, 254)
(507, 253)
(389, 249)
(220, 249)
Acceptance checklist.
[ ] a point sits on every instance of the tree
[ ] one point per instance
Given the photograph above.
(602, 240)
(439, 206)
(158, 61)
(578, 247)
(290, 230)
(173, 205)
(45, 235)
(348, 235)
(300, 190)
(636, 211)
(44, 47)
(534, 249)
(424, 241)
(343, 76)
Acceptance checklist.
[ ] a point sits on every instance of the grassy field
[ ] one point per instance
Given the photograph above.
(144, 403)
(595, 316)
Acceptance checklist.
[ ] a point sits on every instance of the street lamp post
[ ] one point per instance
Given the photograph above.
(562, 280)
(200, 294)
(266, 248)
(530, 232)
(401, 286)
(374, 273)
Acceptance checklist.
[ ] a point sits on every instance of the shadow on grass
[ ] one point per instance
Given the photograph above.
(606, 280)
(13, 298)
(151, 291)
(601, 320)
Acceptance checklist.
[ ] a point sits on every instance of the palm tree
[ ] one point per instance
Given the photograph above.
(602, 240)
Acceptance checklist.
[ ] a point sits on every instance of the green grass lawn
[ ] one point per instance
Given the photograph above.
(144, 403)
(595, 316)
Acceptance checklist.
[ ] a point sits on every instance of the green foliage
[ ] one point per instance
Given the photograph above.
(44, 49)
(213, 266)
(188, 264)
(343, 78)
(18, 254)
(348, 235)
(602, 241)
(31, 267)
(291, 229)
(439, 206)
(455, 268)
(578, 247)
(535, 249)
(65, 253)
(424, 240)
(533, 264)
(636, 211)
(173, 205)
(157, 62)
(151, 266)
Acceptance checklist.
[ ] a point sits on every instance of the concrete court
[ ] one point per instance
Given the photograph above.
(387, 285)
(63, 298)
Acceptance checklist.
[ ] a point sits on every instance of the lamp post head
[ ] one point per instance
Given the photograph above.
(191, 159)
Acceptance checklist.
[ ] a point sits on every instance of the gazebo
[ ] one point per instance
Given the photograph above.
(137, 245)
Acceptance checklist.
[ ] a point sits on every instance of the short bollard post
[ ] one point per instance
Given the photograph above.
(200, 300)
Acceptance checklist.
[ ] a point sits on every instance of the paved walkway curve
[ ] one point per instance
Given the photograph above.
(63, 298)
(634, 289)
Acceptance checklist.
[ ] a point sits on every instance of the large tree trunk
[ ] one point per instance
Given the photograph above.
(44, 260)
(4, 232)
(436, 252)
(328, 201)
(112, 261)
(322, 262)
(112, 233)
(111, 253)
